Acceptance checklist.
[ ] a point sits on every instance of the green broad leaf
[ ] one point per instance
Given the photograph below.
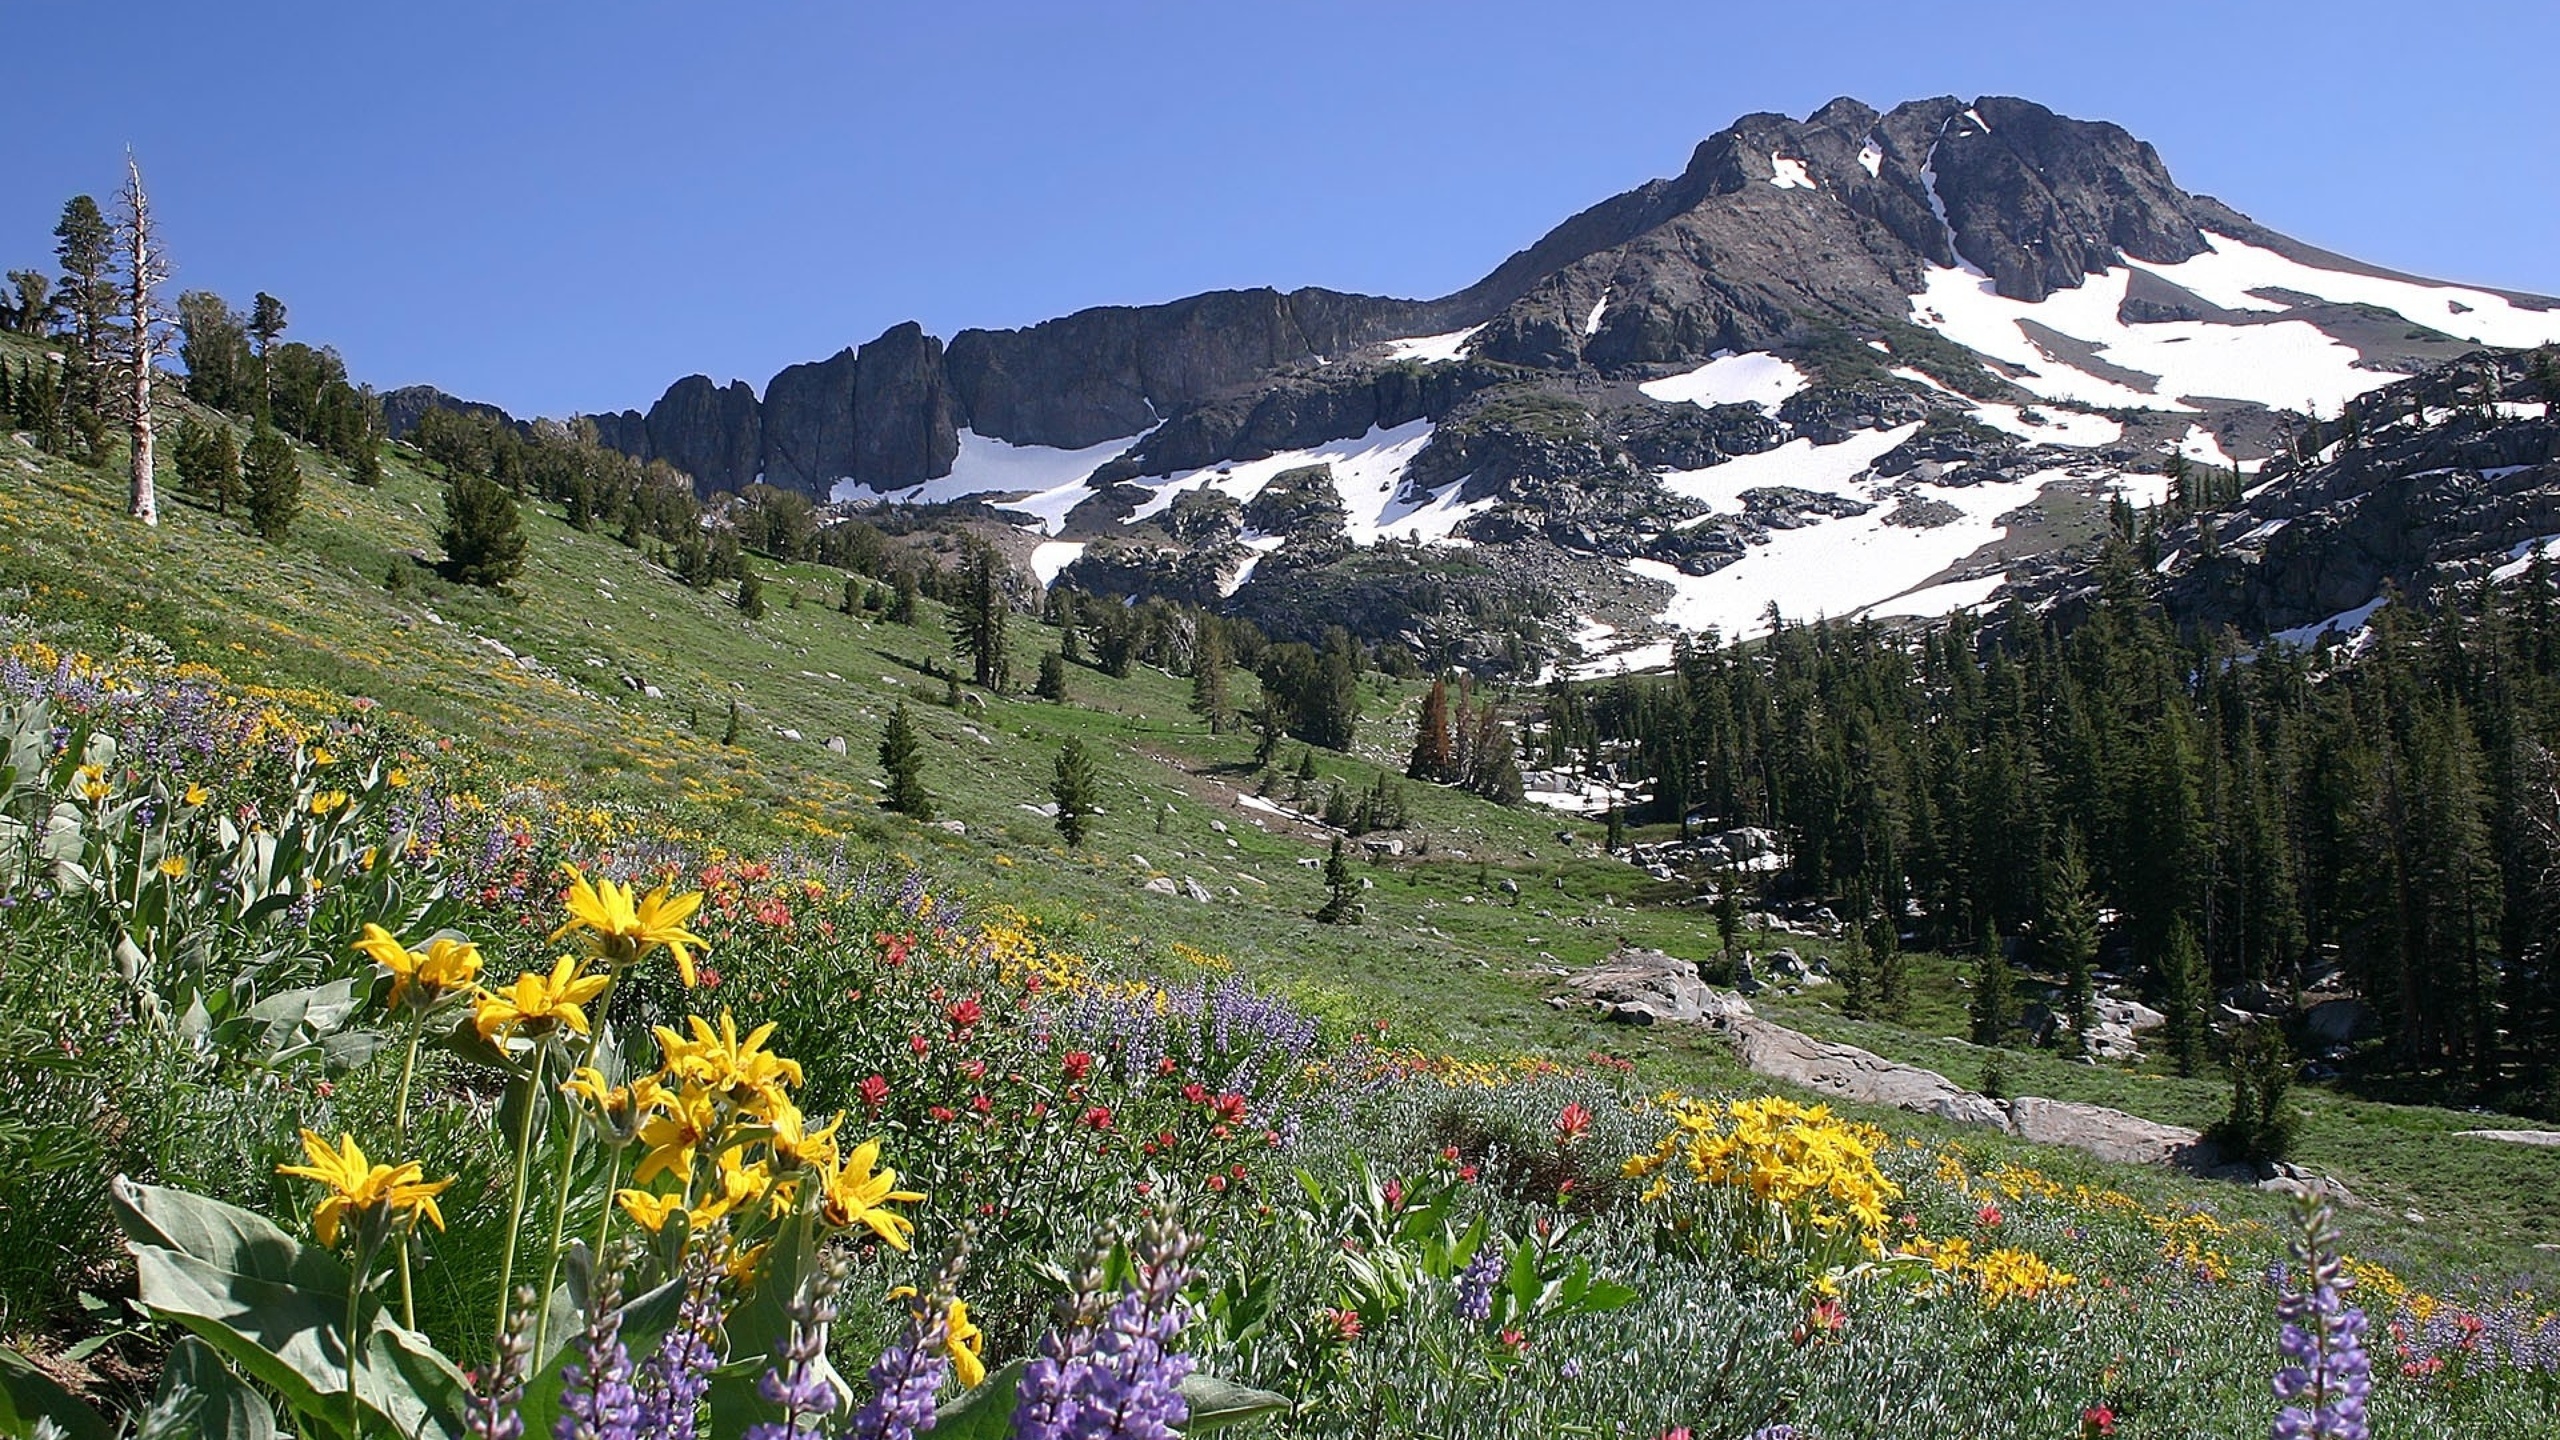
(227, 1407)
(760, 1325)
(1604, 1296)
(28, 1395)
(1523, 1284)
(1217, 1404)
(985, 1413)
(277, 1310)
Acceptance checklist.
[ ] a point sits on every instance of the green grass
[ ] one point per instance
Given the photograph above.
(1447, 958)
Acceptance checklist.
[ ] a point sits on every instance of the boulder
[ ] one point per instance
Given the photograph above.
(1640, 987)
(1850, 1073)
(2132, 1015)
(1195, 890)
(2337, 1022)
(2107, 1134)
(1160, 885)
(2515, 1137)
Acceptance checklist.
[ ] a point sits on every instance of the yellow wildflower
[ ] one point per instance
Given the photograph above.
(684, 1121)
(796, 1146)
(749, 1074)
(357, 1186)
(328, 802)
(649, 1212)
(446, 965)
(966, 1344)
(174, 866)
(855, 1193)
(196, 795)
(538, 1002)
(624, 928)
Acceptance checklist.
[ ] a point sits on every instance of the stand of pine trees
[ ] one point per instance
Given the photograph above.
(2237, 820)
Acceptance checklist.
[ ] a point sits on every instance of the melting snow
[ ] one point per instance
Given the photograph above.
(1260, 545)
(1432, 348)
(1800, 463)
(1599, 307)
(1940, 599)
(1844, 566)
(1871, 157)
(1730, 379)
(1652, 656)
(2345, 622)
(1368, 473)
(1046, 482)
(1051, 556)
(2520, 556)
(2226, 273)
(1790, 173)
(2053, 427)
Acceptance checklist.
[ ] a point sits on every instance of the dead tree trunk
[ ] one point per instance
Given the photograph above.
(146, 331)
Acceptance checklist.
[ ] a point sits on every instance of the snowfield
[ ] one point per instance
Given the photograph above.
(1368, 473)
(1730, 379)
(2281, 363)
(1798, 463)
(1038, 480)
(1432, 348)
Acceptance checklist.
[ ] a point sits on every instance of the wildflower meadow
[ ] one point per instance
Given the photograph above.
(362, 1089)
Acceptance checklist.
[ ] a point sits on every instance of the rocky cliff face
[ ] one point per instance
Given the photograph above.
(1728, 255)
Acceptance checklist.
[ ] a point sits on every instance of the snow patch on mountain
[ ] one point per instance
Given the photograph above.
(1730, 379)
(2231, 270)
(1788, 173)
(1871, 157)
(2520, 557)
(1934, 600)
(2051, 426)
(1051, 556)
(1368, 473)
(1431, 349)
(1800, 463)
(1844, 566)
(1599, 307)
(2284, 364)
(1038, 480)
(2345, 622)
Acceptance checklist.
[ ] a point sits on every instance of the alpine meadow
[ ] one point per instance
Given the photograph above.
(1906, 784)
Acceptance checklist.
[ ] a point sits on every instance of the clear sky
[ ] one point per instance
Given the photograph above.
(564, 206)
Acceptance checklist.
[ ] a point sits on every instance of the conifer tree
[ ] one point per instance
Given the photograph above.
(978, 620)
(1209, 665)
(209, 464)
(483, 533)
(2067, 931)
(729, 732)
(902, 756)
(1073, 786)
(271, 480)
(1992, 1010)
(750, 595)
(1338, 906)
(1052, 684)
(2185, 990)
(852, 603)
(902, 610)
(1433, 757)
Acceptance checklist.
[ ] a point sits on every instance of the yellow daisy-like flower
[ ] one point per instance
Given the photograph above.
(737, 1185)
(857, 1193)
(196, 795)
(356, 1185)
(446, 964)
(797, 1147)
(538, 1002)
(649, 1212)
(748, 1073)
(966, 1344)
(683, 1123)
(328, 802)
(174, 866)
(624, 926)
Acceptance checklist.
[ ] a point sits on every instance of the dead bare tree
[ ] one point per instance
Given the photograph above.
(143, 337)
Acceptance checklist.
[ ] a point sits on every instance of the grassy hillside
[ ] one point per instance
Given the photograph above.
(548, 678)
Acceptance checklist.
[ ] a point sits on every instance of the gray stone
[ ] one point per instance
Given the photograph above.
(2107, 1134)
(956, 827)
(835, 744)
(2515, 1137)
(1640, 987)
(2337, 1022)
(1195, 890)
(1160, 885)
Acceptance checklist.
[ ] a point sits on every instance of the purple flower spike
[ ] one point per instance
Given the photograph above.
(2326, 1376)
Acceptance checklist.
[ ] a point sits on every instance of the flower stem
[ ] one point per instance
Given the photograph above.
(400, 1127)
(559, 1236)
(515, 1210)
(355, 1302)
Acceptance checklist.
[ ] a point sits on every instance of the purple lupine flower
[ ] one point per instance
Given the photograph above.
(491, 1412)
(597, 1401)
(677, 1375)
(1123, 1378)
(2326, 1370)
(795, 1384)
(905, 1379)
(1475, 1283)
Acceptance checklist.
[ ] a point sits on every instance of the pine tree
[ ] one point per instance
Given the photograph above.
(852, 603)
(2259, 1124)
(902, 610)
(483, 533)
(1073, 786)
(1993, 1012)
(272, 481)
(1433, 750)
(85, 244)
(1339, 907)
(750, 596)
(729, 732)
(978, 620)
(1052, 684)
(2067, 932)
(1209, 665)
(266, 326)
(902, 756)
(1615, 836)
(2185, 990)
(208, 461)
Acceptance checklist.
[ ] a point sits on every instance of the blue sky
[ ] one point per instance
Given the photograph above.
(565, 206)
